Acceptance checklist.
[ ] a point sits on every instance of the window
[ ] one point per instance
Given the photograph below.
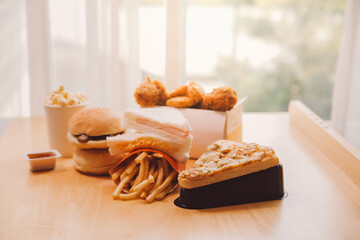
(272, 51)
(152, 39)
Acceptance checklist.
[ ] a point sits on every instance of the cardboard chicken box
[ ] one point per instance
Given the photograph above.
(209, 126)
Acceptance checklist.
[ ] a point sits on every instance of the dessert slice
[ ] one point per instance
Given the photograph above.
(231, 173)
(226, 159)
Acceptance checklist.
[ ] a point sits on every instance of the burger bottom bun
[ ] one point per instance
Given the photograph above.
(95, 161)
(98, 144)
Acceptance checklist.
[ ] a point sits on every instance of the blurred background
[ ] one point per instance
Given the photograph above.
(271, 51)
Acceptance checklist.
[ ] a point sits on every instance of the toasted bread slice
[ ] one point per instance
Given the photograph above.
(226, 159)
(131, 141)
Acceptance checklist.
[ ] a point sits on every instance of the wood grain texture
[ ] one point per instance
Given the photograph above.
(323, 202)
(332, 144)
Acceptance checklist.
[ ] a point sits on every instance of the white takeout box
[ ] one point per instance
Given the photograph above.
(209, 126)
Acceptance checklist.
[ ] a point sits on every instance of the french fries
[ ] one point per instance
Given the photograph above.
(149, 176)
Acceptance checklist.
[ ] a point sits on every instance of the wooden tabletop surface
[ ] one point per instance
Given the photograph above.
(322, 203)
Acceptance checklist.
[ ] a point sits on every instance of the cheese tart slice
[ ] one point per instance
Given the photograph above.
(226, 159)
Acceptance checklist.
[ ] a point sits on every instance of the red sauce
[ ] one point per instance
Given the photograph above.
(41, 155)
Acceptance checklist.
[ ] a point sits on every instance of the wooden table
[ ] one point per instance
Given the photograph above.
(323, 196)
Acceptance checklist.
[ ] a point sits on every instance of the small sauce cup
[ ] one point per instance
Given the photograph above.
(40, 161)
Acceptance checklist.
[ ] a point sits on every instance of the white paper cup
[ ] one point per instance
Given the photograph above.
(57, 119)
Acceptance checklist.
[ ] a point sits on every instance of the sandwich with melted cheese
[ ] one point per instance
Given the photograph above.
(159, 128)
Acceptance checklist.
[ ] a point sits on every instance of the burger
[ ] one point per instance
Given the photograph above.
(88, 130)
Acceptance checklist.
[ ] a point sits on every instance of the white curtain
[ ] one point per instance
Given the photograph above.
(90, 46)
(13, 64)
(87, 45)
(345, 117)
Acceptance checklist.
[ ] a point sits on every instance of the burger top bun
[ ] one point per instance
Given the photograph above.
(96, 122)
(94, 161)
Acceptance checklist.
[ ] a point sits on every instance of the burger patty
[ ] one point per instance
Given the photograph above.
(83, 138)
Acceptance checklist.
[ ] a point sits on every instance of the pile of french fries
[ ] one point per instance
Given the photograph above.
(148, 176)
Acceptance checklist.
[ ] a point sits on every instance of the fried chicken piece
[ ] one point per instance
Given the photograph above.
(220, 99)
(179, 91)
(196, 92)
(186, 96)
(180, 102)
(151, 93)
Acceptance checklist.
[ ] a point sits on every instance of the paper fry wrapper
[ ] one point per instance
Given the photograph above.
(132, 155)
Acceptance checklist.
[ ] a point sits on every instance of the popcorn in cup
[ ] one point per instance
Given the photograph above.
(59, 108)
